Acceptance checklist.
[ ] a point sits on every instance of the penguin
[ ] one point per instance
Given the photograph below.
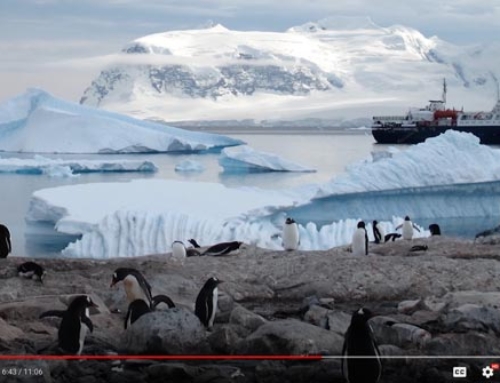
(31, 270)
(136, 286)
(391, 236)
(178, 250)
(408, 227)
(378, 232)
(74, 325)
(223, 248)
(434, 229)
(5, 244)
(139, 307)
(194, 243)
(206, 302)
(360, 240)
(291, 239)
(359, 341)
(136, 309)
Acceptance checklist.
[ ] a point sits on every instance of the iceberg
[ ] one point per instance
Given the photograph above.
(244, 159)
(448, 176)
(37, 122)
(59, 167)
(188, 166)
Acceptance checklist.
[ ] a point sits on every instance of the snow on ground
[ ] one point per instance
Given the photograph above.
(146, 216)
(38, 122)
(243, 158)
(59, 167)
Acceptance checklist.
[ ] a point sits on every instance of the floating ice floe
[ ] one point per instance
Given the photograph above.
(65, 168)
(40, 123)
(243, 158)
(189, 166)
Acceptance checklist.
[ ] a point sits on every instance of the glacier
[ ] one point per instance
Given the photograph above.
(448, 176)
(244, 159)
(37, 122)
(58, 167)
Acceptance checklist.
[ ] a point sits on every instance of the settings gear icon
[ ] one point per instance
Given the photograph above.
(487, 372)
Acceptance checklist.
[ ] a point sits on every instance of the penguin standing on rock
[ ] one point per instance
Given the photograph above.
(360, 240)
(206, 302)
(291, 239)
(408, 227)
(359, 341)
(31, 270)
(223, 248)
(136, 286)
(378, 232)
(5, 244)
(178, 250)
(74, 325)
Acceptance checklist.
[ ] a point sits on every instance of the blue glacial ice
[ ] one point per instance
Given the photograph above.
(36, 122)
(448, 176)
(67, 168)
(244, 159)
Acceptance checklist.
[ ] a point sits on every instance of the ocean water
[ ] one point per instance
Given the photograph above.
(329, 154)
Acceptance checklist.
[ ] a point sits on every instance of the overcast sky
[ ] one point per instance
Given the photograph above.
(40, 39)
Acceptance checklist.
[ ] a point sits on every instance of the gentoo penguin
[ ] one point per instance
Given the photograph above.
(136, 286)
(408, 227)
(206, 302)
(291, 239)
(359, 341)
(31, 270)
(138, 308)
(178, 250)
(223, 248)
(5, 245)
(194, 243)
(378, 232)
(391, 236)
(74, 325)
(434, 229)
(360, 240)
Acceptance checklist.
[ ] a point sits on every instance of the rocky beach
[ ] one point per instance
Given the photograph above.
(441, 301)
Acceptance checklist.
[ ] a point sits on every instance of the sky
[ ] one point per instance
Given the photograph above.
(55, 44)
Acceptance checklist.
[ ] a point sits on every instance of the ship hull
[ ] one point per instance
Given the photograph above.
(488, 135)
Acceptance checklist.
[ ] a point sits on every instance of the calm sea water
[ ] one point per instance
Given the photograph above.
(328, 154)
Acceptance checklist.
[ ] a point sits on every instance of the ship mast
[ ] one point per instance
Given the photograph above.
(496, 108)
(443, 97)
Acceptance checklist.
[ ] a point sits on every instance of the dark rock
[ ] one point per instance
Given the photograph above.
(223, 339)
(174, 331)
(246, 319)
(291, 337)
(472, 317)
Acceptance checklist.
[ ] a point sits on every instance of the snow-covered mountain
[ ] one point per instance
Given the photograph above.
(333, 69)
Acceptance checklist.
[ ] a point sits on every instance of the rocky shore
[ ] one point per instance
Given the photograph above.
(442, 301)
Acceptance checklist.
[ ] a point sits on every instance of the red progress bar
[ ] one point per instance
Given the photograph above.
(161, 357)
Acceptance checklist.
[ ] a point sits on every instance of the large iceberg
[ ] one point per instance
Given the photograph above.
(448, 176)
(43, 165)
(243, 158)
(40, 123)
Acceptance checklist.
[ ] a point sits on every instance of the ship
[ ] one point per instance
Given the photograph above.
(422, 123)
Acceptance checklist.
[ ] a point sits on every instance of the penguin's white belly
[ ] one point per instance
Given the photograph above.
(359, 242)
(290, 237)
(214, 308)
(178, 251)
(407, 230)
(134, 291)
(83, 333)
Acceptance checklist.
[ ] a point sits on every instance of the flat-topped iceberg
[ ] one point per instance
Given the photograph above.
(43, 165)
(244, 159)
(37, 122)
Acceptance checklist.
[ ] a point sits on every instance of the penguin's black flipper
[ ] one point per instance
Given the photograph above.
(52, 313)
(419, 248)
(157, 299)
(86, 320)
